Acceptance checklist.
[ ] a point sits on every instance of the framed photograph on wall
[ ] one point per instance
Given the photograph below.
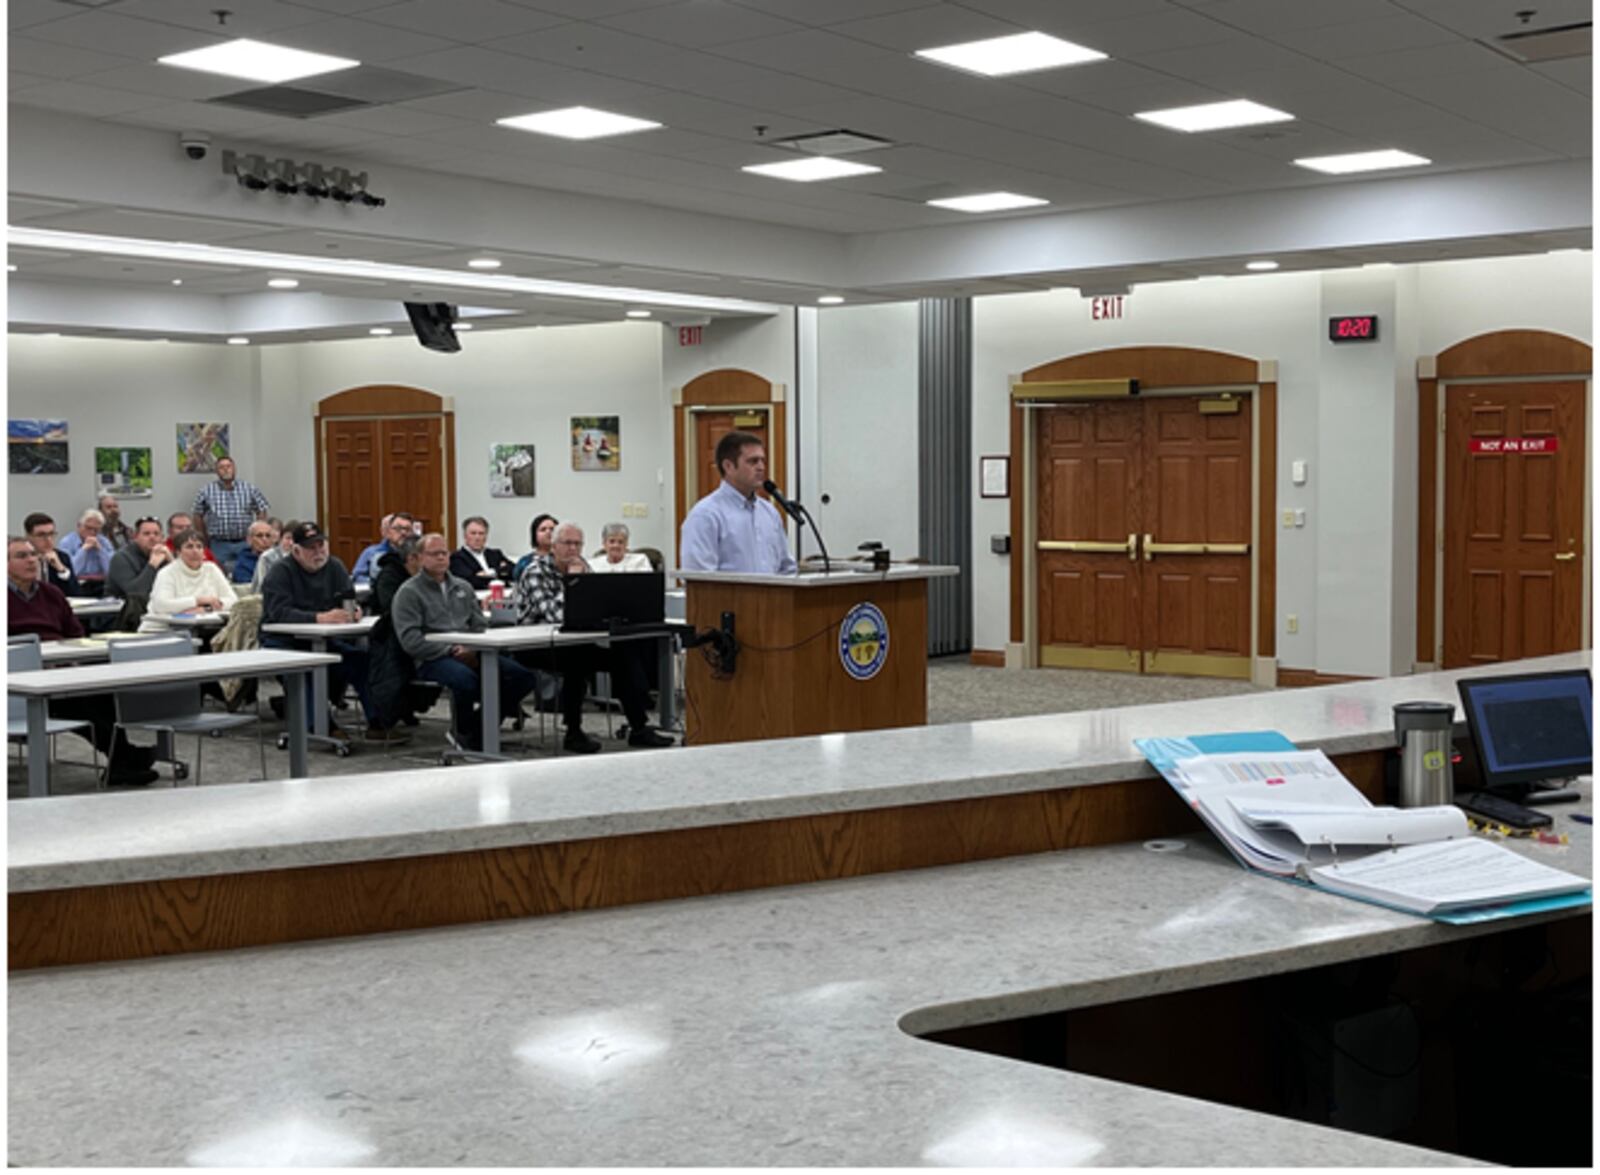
(597, 443)
(511, 471)
(124, 472)
(201, 446)
(37, 446)
(994, 477)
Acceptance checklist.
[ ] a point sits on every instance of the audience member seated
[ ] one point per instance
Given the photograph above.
(436, 601)
(311, 586)
(541, 599)
(541, 532)
(177, 524)
(133, 570)
(224, 510)
(40, 608)
(187, 584)
(396, 526)
(262, 537)
(615, 555)
(41, 532)
(269, 559)
(394, 568)
(116, 532)
(88, 548)
(477, 562)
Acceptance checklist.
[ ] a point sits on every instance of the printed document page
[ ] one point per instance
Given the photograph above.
(1447, 875)
(1318, 825)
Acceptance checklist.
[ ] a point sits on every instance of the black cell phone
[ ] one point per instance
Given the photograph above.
(1502, 811)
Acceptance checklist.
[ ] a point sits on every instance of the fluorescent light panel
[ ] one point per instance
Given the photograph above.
(1215, 116)
(578, 122)
(807, 171)
(988, 202)
(830, 300)
(1003, 56)
(257, 61)
(1261, 266)
(411, 276)
(1362, 161)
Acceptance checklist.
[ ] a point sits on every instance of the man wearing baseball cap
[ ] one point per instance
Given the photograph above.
(311, 586)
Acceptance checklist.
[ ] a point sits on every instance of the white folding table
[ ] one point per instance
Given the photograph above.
(319, 635)
(40, 685)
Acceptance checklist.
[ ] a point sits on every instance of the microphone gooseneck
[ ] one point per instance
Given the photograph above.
(801, 515)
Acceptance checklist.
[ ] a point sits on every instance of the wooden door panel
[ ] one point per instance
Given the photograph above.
(1514, 538)
(711, 427)
(352, 508)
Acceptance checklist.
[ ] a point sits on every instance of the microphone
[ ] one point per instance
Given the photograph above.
(793, 509)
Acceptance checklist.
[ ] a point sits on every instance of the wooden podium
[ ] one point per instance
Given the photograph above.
(819, 653)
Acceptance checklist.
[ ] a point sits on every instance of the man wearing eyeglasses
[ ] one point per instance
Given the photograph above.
(57, 571)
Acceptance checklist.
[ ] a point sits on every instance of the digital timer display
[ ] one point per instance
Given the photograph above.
(1353, 328)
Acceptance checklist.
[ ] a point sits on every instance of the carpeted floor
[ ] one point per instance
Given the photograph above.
(958, 691)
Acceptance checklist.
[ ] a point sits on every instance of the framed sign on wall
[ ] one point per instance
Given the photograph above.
(994, 477)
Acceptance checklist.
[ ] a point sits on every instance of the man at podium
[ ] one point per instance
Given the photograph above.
(731, 528)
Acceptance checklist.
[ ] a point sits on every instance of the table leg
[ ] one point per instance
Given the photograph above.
(295, 709)
(319, 691)
(489, 698)
(38, 748)
(667, 718)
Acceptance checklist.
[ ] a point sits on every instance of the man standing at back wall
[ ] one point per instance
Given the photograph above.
(225, 509)
(732, 528)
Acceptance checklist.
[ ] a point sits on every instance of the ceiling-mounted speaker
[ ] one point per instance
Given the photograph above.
(433, 323)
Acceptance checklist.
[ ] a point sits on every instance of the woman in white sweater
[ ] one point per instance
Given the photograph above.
(617, 557)
(187, 584)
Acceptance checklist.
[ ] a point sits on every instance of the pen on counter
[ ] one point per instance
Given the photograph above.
(1581, 818)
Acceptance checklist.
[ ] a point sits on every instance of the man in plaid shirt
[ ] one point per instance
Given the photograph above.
(225, 509)
(541, 599)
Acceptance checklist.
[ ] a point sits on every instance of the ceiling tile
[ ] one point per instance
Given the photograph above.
(510, 73)
(17, 80)
(927, 28)
(144, 40)
(709, 22)
(472, 21)
(258, 19)
(161, 226)
(166, 82)
(366, 40)
(392, 120)
(198, 116)
(1272, 16)
(827, 12)
(1154, 32)
(342, 7)
(77, 97)
(30, 55)
(591, 9)
(1360, 38)
(21, 208)
(23, 13)
(1405, 65)
(1489, 18)
(1218, 62)
(1577, 74)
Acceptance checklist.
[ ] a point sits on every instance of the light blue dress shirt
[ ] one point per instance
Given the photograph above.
(87, 562)
(367, 561)
(728, 532)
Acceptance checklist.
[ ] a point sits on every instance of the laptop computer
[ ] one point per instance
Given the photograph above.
(606, 603)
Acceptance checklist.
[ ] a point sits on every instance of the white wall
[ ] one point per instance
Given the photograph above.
(866, 437)
(115, 392)
(508, 387)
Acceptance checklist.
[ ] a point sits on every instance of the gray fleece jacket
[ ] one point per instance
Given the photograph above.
(423, 605)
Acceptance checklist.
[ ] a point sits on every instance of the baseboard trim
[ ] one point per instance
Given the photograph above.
(994, 658)
(1300, 678)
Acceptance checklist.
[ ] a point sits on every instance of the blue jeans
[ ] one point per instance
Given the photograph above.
(461, 680)
(225, 551)
(351, 670)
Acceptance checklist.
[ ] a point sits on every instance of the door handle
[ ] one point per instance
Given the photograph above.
(1566, 556)
(1084, 546)
(1153, 548)
(1133, 548)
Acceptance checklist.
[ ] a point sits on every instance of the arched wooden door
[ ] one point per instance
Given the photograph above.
(709, 407)
(1142, 547)
(1504, 509)
(380, 449)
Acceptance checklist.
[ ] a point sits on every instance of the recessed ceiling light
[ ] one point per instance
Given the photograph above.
(806, 171)
(988, 202)
(638, 314)
(237, 341)
(10, 268)
(1020, 53)
(1261, 266)
(177, 281)
(461, 326)
(1378, 265)
(578, 122)
(380, 331)
(830, 300)
(257, 61)
(1215, 116)
(1362, 161)
(483, 263)
(283, 283)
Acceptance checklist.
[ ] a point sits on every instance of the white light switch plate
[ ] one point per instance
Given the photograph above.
(1297, 473)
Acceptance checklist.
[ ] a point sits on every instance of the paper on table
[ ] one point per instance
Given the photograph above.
(1452, 874)
(1315, 824)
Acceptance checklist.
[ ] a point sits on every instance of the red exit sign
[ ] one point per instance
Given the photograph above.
(691, 336)
(1104, 306)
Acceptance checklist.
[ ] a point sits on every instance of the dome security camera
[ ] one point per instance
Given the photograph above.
(196, 144)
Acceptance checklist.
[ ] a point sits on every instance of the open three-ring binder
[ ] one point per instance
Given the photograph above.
(1291, 814)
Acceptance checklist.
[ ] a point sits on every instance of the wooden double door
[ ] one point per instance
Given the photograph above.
(374, 465)
(1514, 537)
(1143, 535)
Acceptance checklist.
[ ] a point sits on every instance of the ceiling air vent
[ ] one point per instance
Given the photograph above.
(346, 89)
(1553, 44)
(840, 142)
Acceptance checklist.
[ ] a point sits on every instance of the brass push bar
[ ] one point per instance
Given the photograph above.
(1086, 547)
(1153, 548)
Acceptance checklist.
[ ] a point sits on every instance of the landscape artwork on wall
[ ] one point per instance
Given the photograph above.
(201, 446)
(511, 469)
(37, 446)
(597, 443)
(124, 472)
